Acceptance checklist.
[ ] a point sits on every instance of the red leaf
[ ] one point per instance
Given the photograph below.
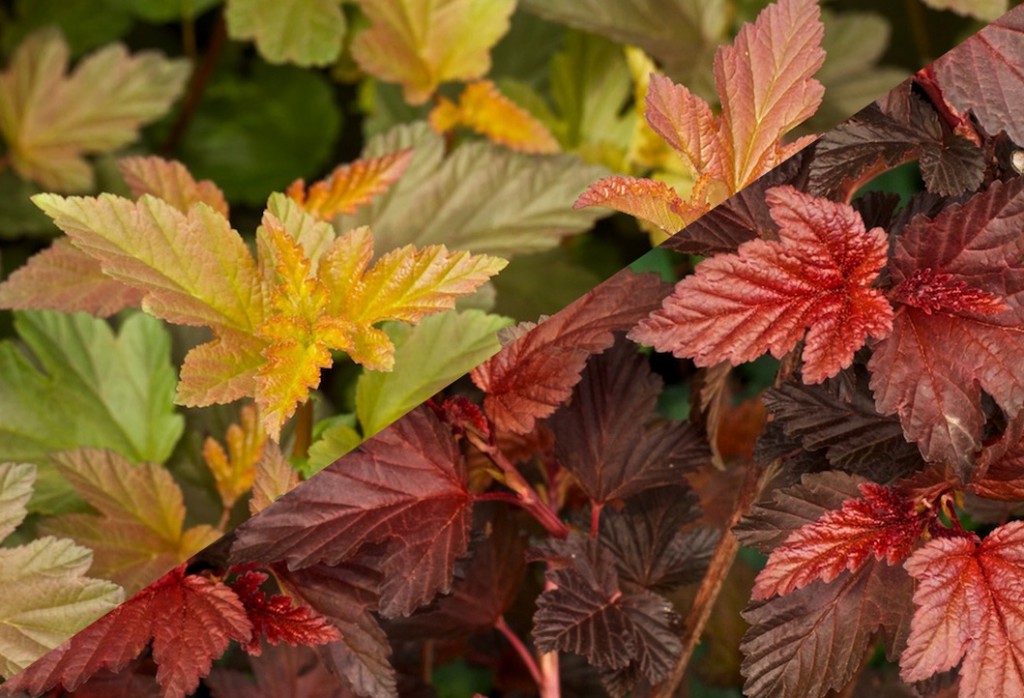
(533, 375)
(277, 619)
(884, 523)
(603, 438)
(190, 619)
(405, 489)
(970, 606)
(818, 277)
(950, 340)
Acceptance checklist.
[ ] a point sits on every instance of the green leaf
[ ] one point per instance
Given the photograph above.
(159, 11)
(482, 198)
(428, 357)
(83, 385)
(304, 32)
(44, 595)
(256, 136)
(335, 441)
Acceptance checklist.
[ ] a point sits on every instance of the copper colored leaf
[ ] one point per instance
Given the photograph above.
(814, 639)
(604, 438)
(171, 181)
(959, 293)
(647, 199)
(350, 186)
(189, 619)
(482, 108)
(276, 618)
(882, 523)
(274, 477)
(405, 490)
(50, 119)
(533, 375)
(421, 45)
(984, 75)
(969, 607)
(64, 278)
(818, 277)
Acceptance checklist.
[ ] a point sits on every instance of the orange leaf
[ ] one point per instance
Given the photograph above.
(350, 186)
(170, 181)
(485, 110)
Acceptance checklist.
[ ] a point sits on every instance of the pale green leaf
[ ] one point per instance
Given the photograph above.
(335, 441)
(84, 385)
(16, 481)
(482, 198)
(986, 10)
(304, 32)
(428, 357)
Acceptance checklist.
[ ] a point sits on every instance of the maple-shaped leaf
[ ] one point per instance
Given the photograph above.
(536, 373)
(810, 641)
(350, 186)
(817, 278)
(603, 436)
(274, 477)
(959, 293)
(190, 620)
(969, 608)
(648, 543)
(171, 181)
(884, 522)
(139, 532)
(984, 76)
(234, 470)
(347, 595)
(276, 618)
(45, 596)
(766, 86)
(482, 108)
(421, 46)
(50, 119)
(405, 489)
(649, 199)
(586, 613)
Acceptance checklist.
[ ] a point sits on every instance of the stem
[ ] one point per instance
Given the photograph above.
(197, 84)
(225, 516)
(595, 518)
(551, 683)
(521, 649)
(528, 498)
(303, 430)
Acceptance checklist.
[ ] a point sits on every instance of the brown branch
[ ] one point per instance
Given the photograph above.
(196, 86)
(303, 430)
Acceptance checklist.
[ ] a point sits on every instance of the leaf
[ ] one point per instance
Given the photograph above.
(85, 386)
(586, 613)
(649, 199)
(535, 374)
(139, 533)
(983, 76)
(986, 10)
(202, 274)
(190, 619)
(62, 277)
(482, 108)
(968, 607)
(882, 523)
(276, 618)
(335, 441)
(959, 315)
(529, 197)
(347, 595)
(45, 594)
(274, 477)
(403, 490)
(299, 32)
(421, 46)
(810, 641)
(50, 120)
(817, 277)
(279, 671)
(350, 186)
(428, 357)
(605, 437)
(234, 470)
(171, 181)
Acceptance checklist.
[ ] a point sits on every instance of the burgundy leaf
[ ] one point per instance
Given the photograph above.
(280, 672)
(535, 374)
(403, 491)
(276, 619)
(602, 436)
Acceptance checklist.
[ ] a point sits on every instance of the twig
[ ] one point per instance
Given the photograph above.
(303, 430)
(521, 649)
(197, 84)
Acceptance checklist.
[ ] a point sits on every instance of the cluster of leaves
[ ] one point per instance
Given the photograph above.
(568, 422)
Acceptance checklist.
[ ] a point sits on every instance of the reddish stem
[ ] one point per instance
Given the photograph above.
(595, 518)
(551, 684)
(196, 86)
(523, 652)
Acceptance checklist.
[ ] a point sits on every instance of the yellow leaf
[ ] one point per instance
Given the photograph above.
(170, 181)
(485, 110)
(139, 532)
(50, 119)
(234, 470)
(350, 186)
(422, 43)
